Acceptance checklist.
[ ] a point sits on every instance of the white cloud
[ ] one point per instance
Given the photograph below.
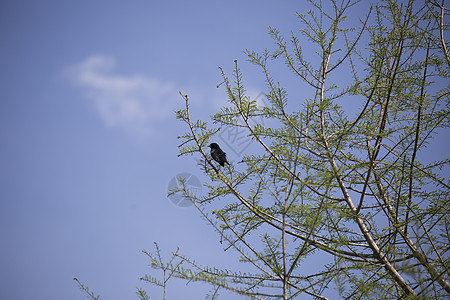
(132, 103)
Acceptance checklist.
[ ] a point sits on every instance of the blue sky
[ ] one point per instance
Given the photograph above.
(88, 135)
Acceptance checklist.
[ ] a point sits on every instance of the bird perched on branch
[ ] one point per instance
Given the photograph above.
(218, 155)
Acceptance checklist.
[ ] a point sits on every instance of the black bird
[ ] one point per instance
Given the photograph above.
(217, 154)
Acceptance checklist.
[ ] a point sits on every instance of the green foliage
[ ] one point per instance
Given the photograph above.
(328, 184)
(86, 290)
(352, 193)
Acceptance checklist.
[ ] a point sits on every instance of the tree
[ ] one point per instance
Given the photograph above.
(354, 190)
